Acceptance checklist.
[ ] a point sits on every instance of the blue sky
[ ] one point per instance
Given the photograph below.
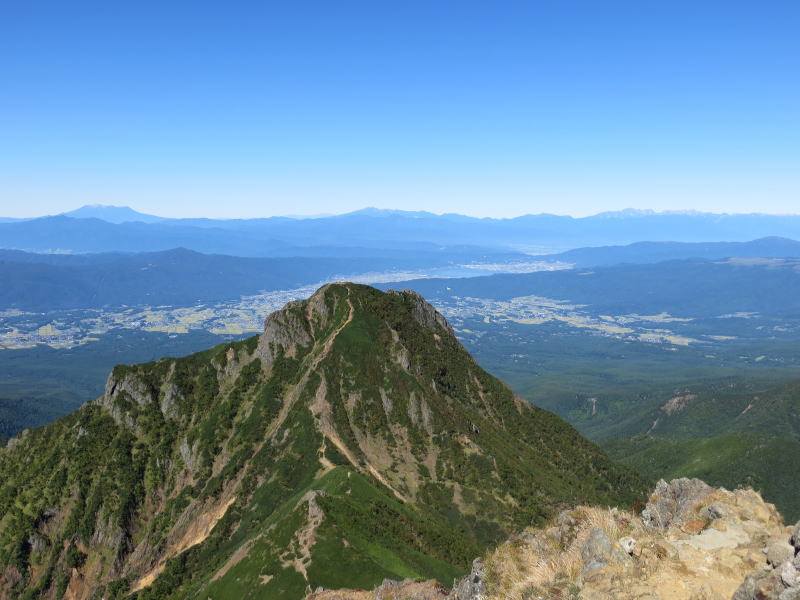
(498, 108)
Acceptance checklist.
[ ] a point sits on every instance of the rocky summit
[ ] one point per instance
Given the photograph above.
(691, 542)
(354, 441)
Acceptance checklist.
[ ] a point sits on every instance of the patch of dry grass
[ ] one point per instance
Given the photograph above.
(542, 559)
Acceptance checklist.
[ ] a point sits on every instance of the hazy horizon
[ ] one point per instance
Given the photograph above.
(298, 215)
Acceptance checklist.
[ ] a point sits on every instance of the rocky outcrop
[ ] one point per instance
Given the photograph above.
(675, 502)
(691, 542)
(407, 589)
(130, 386)
(286, 329)
(424, 313)
(780, 578)
(598, 552)
(473, 586)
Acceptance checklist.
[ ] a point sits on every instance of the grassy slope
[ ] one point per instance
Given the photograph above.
(354, 533)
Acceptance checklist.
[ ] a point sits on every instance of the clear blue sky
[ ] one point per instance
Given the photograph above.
(486, 108)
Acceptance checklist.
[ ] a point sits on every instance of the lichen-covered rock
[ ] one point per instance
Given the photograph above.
(779, 552)
(675, 503)
(715, 510)
(628, 544)
(790, 575)
(780, 578)
(764, 585)
(473, 586)
(597, 553)
(669, 553)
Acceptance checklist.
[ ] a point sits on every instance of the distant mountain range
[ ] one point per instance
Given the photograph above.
(179, 277)
(112, 214)
(652, 252)
(103, 229)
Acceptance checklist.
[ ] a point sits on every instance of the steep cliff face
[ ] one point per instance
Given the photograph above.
(354, 440)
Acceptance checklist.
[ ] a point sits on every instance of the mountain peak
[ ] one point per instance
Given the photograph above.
(356, 430)
(336, 305)
(111, 214)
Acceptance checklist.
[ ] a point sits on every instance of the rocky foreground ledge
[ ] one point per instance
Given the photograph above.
(691, 542)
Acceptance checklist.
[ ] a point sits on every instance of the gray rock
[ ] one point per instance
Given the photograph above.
(796, 537)
(566, 519)
(388, 589)
(778, 553)
(790, 575)
(597, 545)
(37, 543)
(473, 586)
(674, 502)
(790, 594)
(747, 591)
(714, 511)
(760, 586)
(526, 537)
(284, 329)
(564, 530)
(628, 544)
(597, 552)
(424, 313)
(16, 440)
(132, 385)
(169, 402)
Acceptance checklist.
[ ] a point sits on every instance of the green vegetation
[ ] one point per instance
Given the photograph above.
(738, 431)
(725, 412)
(41, 384)
(767, 464)
(361, 431)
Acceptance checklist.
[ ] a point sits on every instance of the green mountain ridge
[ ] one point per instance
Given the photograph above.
(766, 463)
(355, 432)
(731, 405)
(727, 433)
